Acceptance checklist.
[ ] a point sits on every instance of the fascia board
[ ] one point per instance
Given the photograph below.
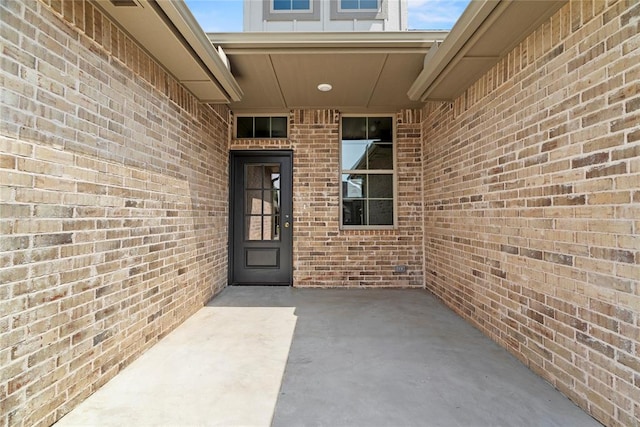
(465, 28)
(180, 15)
(314, 40)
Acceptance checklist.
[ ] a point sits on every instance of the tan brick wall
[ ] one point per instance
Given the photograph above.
(324, 255)
(532, 198)
(113, 205)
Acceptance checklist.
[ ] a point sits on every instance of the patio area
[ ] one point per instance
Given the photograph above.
(259, 356)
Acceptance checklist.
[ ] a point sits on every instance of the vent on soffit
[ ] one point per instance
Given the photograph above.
(125, 3)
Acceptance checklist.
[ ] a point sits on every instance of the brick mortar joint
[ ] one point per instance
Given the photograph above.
(193, 112)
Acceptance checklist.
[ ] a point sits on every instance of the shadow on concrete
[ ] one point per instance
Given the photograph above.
(382, 357)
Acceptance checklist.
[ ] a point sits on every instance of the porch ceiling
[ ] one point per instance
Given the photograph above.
(368, 71)
(377, 71)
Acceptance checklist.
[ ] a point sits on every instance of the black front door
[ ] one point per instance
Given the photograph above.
(260, 220)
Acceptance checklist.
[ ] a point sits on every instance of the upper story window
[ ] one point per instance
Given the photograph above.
(291, 5)
(359, 4)
(261, 127)
(359, 9)
(291, 10)
(368, 172)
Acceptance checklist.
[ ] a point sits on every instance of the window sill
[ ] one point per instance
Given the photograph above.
(360, 228)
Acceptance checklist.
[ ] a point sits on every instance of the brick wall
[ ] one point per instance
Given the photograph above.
(324, 255)
(532, 199)
(113, 203)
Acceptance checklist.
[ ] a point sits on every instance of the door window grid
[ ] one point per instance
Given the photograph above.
(262, 202)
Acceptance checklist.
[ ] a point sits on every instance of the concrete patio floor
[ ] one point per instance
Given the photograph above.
(257, 356)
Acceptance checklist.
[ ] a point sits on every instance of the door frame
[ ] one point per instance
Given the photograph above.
(233, 155)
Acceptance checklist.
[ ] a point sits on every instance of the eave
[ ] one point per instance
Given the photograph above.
(368, 71)
(485, 33)
(170, 33)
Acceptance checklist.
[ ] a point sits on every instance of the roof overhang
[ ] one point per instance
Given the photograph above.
(369, 71)
(170, 33)
(486, 32)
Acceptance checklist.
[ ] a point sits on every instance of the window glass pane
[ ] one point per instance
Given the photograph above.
(349, 4)
(380, 156)
(353, 212)
(354, 128)
(267, 228)
(244, 128)
(253, 227)
(380, 129)
(353, 155)
(253, 176)
(380, 212)
(273, 172)
(354, 186)
(278, 127)
(253, 202)
(281, 4)
(300, 5)
(380, 186)
(368, 4)
(272, 176)
(263, 127)
(366, 147)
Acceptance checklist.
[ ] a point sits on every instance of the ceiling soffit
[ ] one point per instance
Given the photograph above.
(486, 32)
(368, 71)
(170, 34)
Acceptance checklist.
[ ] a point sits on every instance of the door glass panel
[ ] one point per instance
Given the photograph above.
(253, 227)
(253, 177)
(262, 202)
(253, 202)
(270, 228)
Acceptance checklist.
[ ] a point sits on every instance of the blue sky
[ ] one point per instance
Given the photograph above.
(226, 15)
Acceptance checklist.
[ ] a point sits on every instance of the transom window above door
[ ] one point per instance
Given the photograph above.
(261, 127)
(367, 170)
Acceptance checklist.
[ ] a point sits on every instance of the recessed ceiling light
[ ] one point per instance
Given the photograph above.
(324, 87)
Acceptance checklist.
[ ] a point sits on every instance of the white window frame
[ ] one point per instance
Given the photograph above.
(337, 13)
(394, 174)
(290, 11)
(359, 9)
(271, 14)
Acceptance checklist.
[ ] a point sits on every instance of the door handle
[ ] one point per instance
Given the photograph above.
(286, 224)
